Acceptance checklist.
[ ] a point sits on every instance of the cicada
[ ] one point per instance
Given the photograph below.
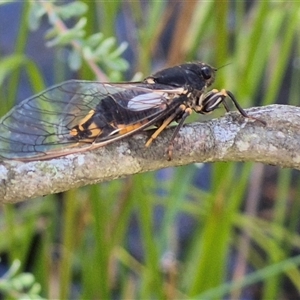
(77, 115)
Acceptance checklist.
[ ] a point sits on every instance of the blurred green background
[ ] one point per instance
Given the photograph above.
(194, 232)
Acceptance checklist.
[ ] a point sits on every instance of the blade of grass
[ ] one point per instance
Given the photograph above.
(268, 236)
(208, 264)
(263, 37)
(177, 193)
(209, 260)
(279, 65)
(151, 280)
(101, 213)
(261, 275)
(222, 34)
(68, 243)
(19, 49)
(201, 24)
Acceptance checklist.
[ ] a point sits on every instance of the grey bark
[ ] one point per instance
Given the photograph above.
(229, 138)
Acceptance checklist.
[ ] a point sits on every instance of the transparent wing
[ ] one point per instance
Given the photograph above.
(41, 124)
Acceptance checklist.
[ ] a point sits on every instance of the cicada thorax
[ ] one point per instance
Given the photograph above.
(196, 76)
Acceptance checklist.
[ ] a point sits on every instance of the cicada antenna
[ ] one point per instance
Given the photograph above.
(223, 66)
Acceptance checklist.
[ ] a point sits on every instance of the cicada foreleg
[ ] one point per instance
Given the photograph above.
(215, 97)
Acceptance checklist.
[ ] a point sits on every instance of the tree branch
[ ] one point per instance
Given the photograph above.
(229, 138)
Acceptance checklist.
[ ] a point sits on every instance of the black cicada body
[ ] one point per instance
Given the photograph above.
(77, 115)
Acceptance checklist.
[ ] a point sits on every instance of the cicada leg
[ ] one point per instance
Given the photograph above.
(215, 97)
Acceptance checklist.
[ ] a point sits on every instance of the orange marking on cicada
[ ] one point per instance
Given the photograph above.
(123, 128)
(84, 120)
(73, 132)
(94, 129)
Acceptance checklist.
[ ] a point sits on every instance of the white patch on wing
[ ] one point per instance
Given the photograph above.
(114, 132)
(145, 101)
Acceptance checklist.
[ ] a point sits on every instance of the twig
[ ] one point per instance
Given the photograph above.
(230, 138)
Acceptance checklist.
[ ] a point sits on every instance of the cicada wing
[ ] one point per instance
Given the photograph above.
(41, 124)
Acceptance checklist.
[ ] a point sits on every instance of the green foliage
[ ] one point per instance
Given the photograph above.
(19, 285)
(94, 48)
(87, 229)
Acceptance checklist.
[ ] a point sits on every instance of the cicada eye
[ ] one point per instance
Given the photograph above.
(206, 72)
